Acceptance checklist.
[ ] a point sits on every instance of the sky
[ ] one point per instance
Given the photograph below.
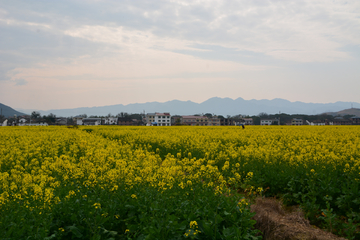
(75, 53)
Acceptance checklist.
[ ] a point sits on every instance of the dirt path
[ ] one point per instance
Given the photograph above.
(277, 224)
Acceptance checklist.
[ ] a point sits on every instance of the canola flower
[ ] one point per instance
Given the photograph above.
(41, 168)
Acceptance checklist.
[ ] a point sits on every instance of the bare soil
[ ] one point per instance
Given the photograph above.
(277, 224)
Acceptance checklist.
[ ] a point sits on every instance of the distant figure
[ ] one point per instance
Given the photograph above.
(243, 126)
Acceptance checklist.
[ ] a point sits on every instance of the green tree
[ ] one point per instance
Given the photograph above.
(35, 115)
(50, 119)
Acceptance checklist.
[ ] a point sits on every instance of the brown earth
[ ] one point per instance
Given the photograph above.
(277, 224)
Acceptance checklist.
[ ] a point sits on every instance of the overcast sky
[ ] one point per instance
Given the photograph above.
(72, 53)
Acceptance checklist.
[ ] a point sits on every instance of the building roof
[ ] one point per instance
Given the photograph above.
(194, 117)
(162, 114)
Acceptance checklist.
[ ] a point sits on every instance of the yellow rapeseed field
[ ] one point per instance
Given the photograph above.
(42, 167)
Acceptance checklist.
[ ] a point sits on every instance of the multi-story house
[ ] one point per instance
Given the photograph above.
(163, 119)
(297, 122)
(214, 121)
(248, 121)
(355, 120)
(78, 120)
(150, 119)
(158, 119)
(227, 122)
(265, 122)
(194, 120)
(341, 121)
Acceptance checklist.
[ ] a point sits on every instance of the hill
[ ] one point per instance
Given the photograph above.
(350, 111)
(9, 112)
(216, 105)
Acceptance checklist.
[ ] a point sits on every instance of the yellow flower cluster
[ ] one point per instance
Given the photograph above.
(36, 161)
(193, 229)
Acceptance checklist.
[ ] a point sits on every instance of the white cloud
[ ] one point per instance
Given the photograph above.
(14, 22)
(304, 31)
(195, 45)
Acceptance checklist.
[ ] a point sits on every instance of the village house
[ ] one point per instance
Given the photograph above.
(317, 123)
(193, 120)
(32, 122)
(341, 121)
(265, 122)
(158, 119)
(78, 120)
(61, 121)
(296, 122)
(355, 120)
(227, 122)
(127, 121)
(248, 121)
(150, 119)
(214, 121)
(91, 121)
(111, 121)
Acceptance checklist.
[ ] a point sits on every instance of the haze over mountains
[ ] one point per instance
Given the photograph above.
(215, 105)
(8, 111)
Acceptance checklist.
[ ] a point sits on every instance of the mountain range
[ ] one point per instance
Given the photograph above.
(215, 105)
(7, 111)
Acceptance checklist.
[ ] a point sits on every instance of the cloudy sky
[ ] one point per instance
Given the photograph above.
(76, 53)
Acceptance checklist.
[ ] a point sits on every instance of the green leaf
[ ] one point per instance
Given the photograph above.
(111, 233)
(75, 231)
(96, 237)
(51, 237)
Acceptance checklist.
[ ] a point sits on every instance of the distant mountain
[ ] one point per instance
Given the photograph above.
(215, 105)
(350, 111)
(8, 111)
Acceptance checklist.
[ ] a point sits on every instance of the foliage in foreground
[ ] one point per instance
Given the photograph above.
(50, 170)
(59, 183)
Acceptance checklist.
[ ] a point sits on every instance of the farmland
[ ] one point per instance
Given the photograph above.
(109, 182)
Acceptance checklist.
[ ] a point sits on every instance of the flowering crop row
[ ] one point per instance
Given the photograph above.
(179, 182)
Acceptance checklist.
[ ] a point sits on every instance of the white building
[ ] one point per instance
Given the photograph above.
(158, 119)
(78, 120)
(265, 122)
(29, 122)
